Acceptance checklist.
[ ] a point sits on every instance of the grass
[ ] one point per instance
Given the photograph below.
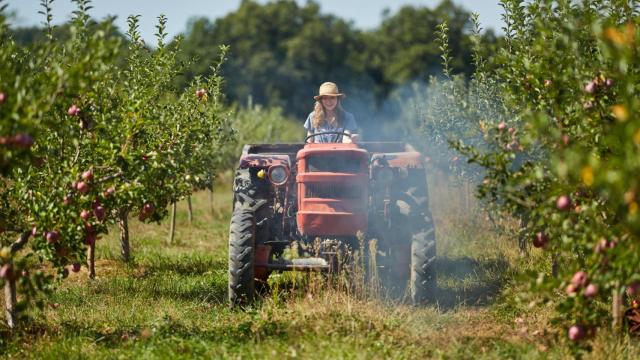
(170, 302)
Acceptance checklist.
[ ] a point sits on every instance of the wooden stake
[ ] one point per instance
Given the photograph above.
(172, 230)
(616, 309)
(211, 198)
(123, 224)
(10, 302)
(190, 209)
(91, 259)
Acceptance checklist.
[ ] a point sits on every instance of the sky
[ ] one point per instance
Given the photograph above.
(365, 14)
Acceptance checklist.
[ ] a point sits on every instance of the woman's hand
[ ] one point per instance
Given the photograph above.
(352, 138)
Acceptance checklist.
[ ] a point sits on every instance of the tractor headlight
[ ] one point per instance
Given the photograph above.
(278, 174)
(384, 175)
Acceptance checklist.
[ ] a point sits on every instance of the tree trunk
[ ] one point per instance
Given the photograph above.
(123, 224)
(190, 209)
(616, 309)
(211, 198)
(91, 259)
(172, 230)
(10, 302)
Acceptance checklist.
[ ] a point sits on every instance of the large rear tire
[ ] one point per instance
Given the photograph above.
(242, 234)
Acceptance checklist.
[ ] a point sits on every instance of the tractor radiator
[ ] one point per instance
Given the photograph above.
(333, 191)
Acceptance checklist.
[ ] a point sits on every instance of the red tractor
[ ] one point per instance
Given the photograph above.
(327, 193)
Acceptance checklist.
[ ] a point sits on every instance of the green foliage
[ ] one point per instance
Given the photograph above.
(90, 134)
(281, 52)
(564, 157)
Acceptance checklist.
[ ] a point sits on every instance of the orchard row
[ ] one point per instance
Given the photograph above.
(551, 125)
(91, 131)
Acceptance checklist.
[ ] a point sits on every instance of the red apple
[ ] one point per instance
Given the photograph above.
(82, 187)
(609, 82)
(563, 203)
(576, 333)
(109, 192)
(603, 244)
(502, 126)
(52, 237)
(73, 110)
(100, 212)
(148, 208)
(571, 289)
(579, 279)
(590, 87)
(540, 240)
(22, 140)
(75, 267)
(633, 288)
(591, 290)
(200, 93)
(85, 215)
(87, 175)
(3, 97)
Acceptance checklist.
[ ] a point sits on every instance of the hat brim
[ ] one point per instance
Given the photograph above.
(341, 96)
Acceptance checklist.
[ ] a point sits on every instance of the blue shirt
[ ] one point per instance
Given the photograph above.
(348, 123)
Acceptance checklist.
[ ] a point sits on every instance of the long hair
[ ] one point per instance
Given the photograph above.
(319, 117)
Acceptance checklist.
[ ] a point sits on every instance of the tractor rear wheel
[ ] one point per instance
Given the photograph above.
(242, 234)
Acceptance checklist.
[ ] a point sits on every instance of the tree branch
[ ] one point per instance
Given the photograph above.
(21, 242)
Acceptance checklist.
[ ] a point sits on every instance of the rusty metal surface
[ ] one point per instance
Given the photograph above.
(318, 223)
(410, 159)
(332, 177)
(263, 161)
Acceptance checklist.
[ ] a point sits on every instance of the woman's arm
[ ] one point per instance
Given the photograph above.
(309, 133)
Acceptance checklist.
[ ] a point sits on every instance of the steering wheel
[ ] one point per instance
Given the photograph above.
(306, 141)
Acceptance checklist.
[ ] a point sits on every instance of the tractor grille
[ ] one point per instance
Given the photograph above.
(333, 191)
(339, 164)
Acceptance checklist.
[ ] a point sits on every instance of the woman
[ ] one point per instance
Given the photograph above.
(328, 115)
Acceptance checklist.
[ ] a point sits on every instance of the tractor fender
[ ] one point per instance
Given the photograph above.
(409, 159)
(263, 160)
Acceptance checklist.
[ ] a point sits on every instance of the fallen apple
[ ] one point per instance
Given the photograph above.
(576, 333)
(579, 279)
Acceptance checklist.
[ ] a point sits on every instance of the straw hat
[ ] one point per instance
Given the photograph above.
(329, 89)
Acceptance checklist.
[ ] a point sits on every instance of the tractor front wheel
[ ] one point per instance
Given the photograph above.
(242, 234)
